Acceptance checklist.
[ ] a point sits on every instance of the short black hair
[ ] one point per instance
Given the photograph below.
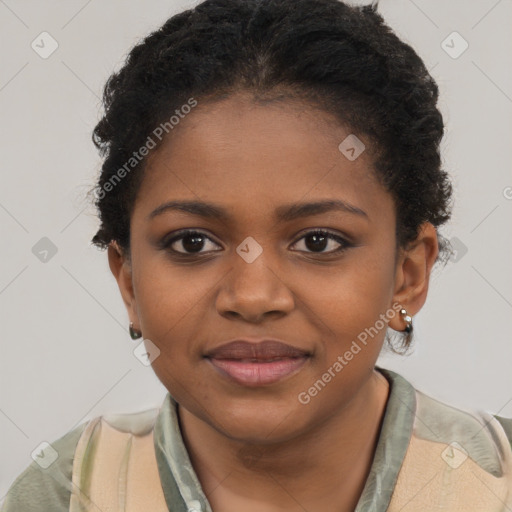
(339, 57)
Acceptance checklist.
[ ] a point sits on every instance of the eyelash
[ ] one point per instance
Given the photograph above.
(166, 243)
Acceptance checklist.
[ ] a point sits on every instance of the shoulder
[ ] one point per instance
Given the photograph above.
(481, 436)
(455, 459)
(45, 485)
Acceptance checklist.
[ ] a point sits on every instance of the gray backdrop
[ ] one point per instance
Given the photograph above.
(66, 355)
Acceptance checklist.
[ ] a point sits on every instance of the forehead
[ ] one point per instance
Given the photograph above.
(236, 151)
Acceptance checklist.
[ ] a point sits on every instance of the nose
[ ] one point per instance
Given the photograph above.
(254, 291)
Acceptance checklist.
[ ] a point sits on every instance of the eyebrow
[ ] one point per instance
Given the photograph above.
(284, 213)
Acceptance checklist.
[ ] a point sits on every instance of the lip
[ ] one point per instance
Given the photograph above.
(254, 374)
(257, 363)
(255, 349)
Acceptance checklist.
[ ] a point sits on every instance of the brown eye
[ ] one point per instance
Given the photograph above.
(191, 242)
(318, 240)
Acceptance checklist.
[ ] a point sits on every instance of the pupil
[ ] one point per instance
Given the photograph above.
(196, 242)
(316, 237)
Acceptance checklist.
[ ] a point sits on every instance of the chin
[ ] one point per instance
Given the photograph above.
(255, 422)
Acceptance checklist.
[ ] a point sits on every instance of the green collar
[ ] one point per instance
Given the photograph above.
(183, 491)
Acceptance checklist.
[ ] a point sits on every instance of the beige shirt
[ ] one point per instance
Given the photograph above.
(430, 456)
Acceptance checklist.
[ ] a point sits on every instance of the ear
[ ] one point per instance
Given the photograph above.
(412, 274)
(120, 267)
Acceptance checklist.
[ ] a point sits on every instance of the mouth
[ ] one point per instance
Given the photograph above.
(252, 363)
(253, 372)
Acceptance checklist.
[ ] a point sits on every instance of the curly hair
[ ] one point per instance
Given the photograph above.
(340, 58)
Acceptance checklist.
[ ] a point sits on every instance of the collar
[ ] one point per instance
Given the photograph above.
(183, 491)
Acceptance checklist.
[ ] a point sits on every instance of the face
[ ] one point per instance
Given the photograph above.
(261, 271)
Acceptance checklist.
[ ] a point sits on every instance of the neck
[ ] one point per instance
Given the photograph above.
(332, 459)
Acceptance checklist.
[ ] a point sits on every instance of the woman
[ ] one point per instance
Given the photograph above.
(270, 198)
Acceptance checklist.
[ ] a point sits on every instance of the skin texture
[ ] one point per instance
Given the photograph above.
(261, 449)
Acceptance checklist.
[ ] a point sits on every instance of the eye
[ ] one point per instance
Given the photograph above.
(317, 240)
(191, 241)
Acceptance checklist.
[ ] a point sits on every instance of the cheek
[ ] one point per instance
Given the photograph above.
(171, 302)
(352, 297)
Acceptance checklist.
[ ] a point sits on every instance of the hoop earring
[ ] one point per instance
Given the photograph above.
(135, 335)
(408, 321)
